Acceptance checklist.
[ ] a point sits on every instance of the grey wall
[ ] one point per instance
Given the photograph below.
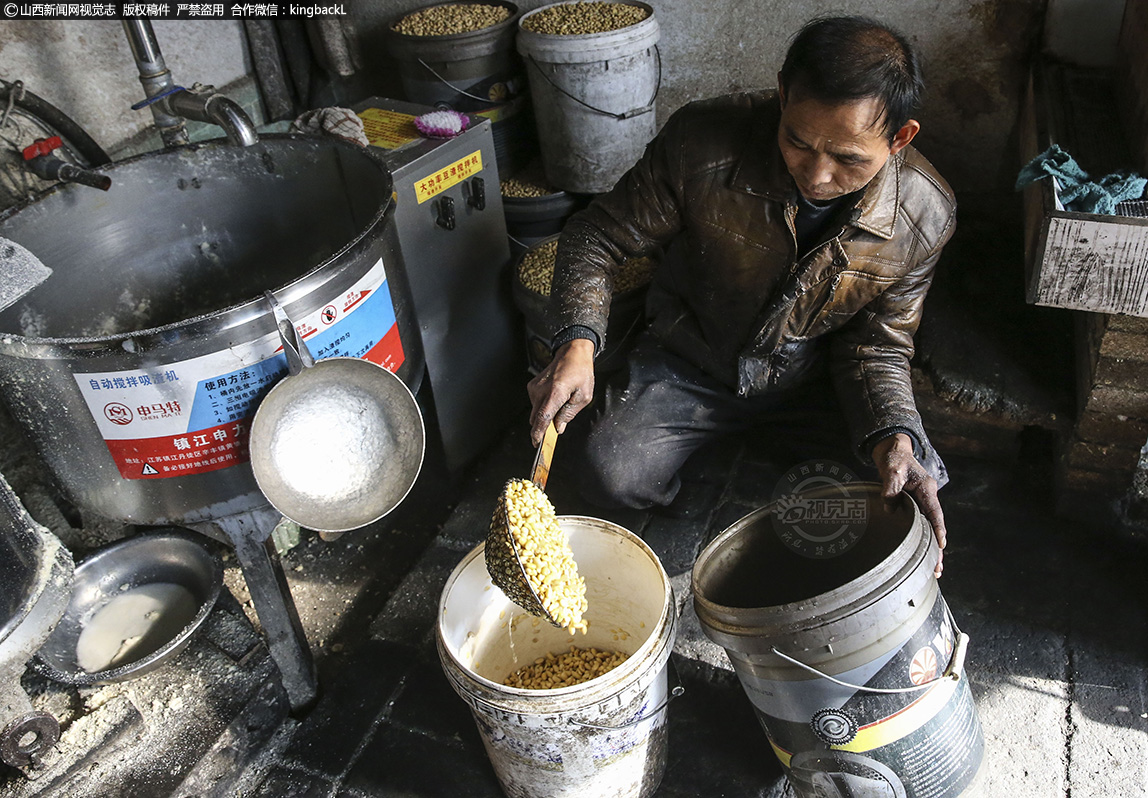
(975, 55)
(86, 69)
(1084, 32)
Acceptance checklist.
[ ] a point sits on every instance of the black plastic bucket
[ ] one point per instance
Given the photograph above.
(478, 72)
(627, 317)
(826, 603)
(529, 220)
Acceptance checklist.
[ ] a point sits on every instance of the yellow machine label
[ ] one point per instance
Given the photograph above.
(388, 129)
(448, 176)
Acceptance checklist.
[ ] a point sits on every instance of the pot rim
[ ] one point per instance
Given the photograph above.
(236, 314)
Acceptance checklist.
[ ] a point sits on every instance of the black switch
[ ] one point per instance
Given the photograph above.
(445, 218)
(477, 197)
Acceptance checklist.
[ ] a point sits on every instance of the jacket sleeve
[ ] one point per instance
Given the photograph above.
(642, 213)
(871, 358)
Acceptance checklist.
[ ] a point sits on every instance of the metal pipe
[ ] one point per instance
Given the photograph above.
(236, 124)
(156, 79)
(50, 168)
(145, 47)
(173, 103)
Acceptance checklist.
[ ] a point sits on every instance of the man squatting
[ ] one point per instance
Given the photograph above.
(809, 231)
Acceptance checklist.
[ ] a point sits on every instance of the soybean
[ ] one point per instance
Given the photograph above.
(519, 187)
(545, 554)
(565, 670)
(579, 19)
(536, 269)
(530, 181)
(449, 19)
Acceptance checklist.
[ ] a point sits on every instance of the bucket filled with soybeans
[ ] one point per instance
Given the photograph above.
(461, 55)
(572, 710)
(595, 71)
(534, 209)
(532, 276)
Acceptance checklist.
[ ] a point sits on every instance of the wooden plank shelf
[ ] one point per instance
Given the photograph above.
(1080, 261)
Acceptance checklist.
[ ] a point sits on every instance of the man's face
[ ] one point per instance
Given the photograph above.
(833, 150)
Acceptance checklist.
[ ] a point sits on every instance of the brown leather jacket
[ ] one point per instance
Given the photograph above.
(738, 303)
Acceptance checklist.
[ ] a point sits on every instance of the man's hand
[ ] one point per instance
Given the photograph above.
(899, 471)
(563, 388)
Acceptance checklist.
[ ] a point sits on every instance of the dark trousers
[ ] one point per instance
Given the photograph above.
(660, 409)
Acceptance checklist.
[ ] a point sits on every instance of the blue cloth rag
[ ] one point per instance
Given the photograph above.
(1078, 191)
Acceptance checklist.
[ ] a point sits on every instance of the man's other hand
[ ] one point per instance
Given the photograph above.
(900, 470)
(563, 388)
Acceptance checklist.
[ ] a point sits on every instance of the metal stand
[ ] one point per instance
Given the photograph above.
(250, 534)
(35, 586)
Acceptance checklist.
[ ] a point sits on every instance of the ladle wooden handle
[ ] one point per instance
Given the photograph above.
(542, 460)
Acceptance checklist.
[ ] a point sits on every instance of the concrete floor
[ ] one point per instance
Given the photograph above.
(1055, 609)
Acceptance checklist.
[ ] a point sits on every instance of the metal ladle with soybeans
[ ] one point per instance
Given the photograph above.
(527, 553)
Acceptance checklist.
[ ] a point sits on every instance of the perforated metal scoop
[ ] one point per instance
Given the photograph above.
(502, 557)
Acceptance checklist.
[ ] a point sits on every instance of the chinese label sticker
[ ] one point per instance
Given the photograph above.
(448, 176)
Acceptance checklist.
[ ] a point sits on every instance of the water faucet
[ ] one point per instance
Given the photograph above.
(171, 104)
(205, 104)
(41, 162)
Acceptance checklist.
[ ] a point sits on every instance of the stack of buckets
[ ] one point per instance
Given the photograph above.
(592, 95)
(592, 98)
(853, 663)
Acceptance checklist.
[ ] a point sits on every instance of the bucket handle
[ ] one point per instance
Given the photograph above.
(645, 109)
(450, 85)
(952, 672)
(675, 691)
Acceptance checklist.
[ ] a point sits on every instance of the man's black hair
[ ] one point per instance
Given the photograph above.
(842, 59)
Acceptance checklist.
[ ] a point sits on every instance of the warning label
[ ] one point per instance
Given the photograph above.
(192, 416)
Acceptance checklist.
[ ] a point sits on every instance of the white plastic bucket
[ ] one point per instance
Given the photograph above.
(602, 738)
(593, 97)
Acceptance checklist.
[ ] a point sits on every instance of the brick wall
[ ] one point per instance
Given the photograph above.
(1100, 455)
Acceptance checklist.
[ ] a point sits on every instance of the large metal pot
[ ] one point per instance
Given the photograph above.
(138, 365)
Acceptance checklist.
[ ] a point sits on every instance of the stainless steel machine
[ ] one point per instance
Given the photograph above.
(452, 235)
(137, 366)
